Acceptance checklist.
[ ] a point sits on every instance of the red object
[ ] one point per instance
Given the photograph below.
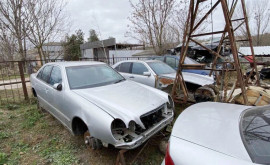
(249, 58)
(168, 159)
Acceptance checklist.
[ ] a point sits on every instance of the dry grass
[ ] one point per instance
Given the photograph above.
(28, 136)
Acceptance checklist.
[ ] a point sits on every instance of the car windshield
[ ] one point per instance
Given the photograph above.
(161, 68)
(255, 129)
(80, 77)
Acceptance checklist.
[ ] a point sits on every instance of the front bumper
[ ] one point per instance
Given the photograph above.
(145, 135)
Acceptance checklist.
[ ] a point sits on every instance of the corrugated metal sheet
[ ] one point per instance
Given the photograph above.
(98, 44)
(258, 51)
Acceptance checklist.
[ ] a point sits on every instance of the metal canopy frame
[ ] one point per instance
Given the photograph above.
(227, 34)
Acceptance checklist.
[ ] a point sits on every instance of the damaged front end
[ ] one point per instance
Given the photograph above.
(133, 135)
(164, 83)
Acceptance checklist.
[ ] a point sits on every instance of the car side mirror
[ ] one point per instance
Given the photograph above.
(57, 86)
(147, 74)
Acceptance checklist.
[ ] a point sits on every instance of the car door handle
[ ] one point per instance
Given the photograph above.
(131, 77)
(46, 90)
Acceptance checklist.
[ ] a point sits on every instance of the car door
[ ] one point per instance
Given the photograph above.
(57, 96)
(42, 87)
(137, 70)
(125, 69)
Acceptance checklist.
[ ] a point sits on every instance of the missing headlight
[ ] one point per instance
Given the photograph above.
(121, 133)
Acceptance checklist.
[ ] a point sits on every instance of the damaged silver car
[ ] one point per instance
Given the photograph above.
(92, 99)
(157, 74)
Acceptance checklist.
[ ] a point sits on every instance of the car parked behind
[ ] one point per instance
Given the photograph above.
(157, 74)
(92, 99)
(219, 133)
(173, 62)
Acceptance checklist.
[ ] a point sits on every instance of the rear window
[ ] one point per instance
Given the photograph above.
(255, 129)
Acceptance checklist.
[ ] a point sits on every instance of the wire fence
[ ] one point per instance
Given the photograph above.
(15, 76)
(15, 84)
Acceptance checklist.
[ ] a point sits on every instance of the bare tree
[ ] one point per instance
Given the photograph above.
(8, 45)
(11, 17)
(258, 13)
(180, 16)
(46, 19)
(161, 23)
(261, 10)
(149, 20)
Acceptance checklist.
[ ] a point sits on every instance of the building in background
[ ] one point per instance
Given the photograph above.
(109, 48)
(52, 50)
(262, 53)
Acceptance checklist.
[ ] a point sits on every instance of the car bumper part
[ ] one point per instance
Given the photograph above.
(145, 135)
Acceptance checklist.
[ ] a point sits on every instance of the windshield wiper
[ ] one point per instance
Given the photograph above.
(118, 81)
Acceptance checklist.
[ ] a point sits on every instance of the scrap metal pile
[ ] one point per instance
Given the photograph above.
(224, 90)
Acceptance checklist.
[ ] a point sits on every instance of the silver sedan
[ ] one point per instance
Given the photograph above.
(92, 99)
(223, 134)
(157, 74)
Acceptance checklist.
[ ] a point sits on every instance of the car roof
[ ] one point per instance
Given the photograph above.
(75, 63)
(139, 61)
(213, 125)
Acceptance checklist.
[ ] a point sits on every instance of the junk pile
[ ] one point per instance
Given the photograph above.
(257, 96)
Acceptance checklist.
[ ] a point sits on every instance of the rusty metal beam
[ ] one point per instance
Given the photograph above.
(250, 43)
(233, 6)
(205, 34)
(211, 51)
(205, 16)
(230, 31)
(239, 19)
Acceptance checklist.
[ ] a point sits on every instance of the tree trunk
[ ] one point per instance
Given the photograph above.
(21, 50)
(40, 55)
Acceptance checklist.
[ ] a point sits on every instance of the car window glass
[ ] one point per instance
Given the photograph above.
(117, 68)
(138, 68)
(161, 68)
(171, 61)
(80, 77)
(159, 58)
(40, 73)
(56, 76)
(255, 129)
(46, 73)
(125, 67)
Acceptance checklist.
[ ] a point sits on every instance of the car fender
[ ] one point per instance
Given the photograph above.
(91, 115)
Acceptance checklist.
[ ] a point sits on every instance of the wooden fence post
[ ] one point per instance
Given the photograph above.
(20, 63)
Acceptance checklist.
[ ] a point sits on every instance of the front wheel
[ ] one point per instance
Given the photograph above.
(91, 142)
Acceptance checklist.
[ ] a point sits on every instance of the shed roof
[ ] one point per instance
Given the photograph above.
(258, 51)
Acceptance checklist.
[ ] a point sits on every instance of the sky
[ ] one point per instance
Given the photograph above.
(107, 17)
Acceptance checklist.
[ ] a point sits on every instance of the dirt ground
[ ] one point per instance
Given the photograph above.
(29, 136)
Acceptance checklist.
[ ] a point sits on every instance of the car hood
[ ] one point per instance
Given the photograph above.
(192, 78)
(126, 100)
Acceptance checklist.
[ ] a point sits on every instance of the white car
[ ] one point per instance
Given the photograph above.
(92, 99)
(157, 74)
(220, 134)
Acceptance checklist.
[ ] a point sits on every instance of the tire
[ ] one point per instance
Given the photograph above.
(91, 142)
